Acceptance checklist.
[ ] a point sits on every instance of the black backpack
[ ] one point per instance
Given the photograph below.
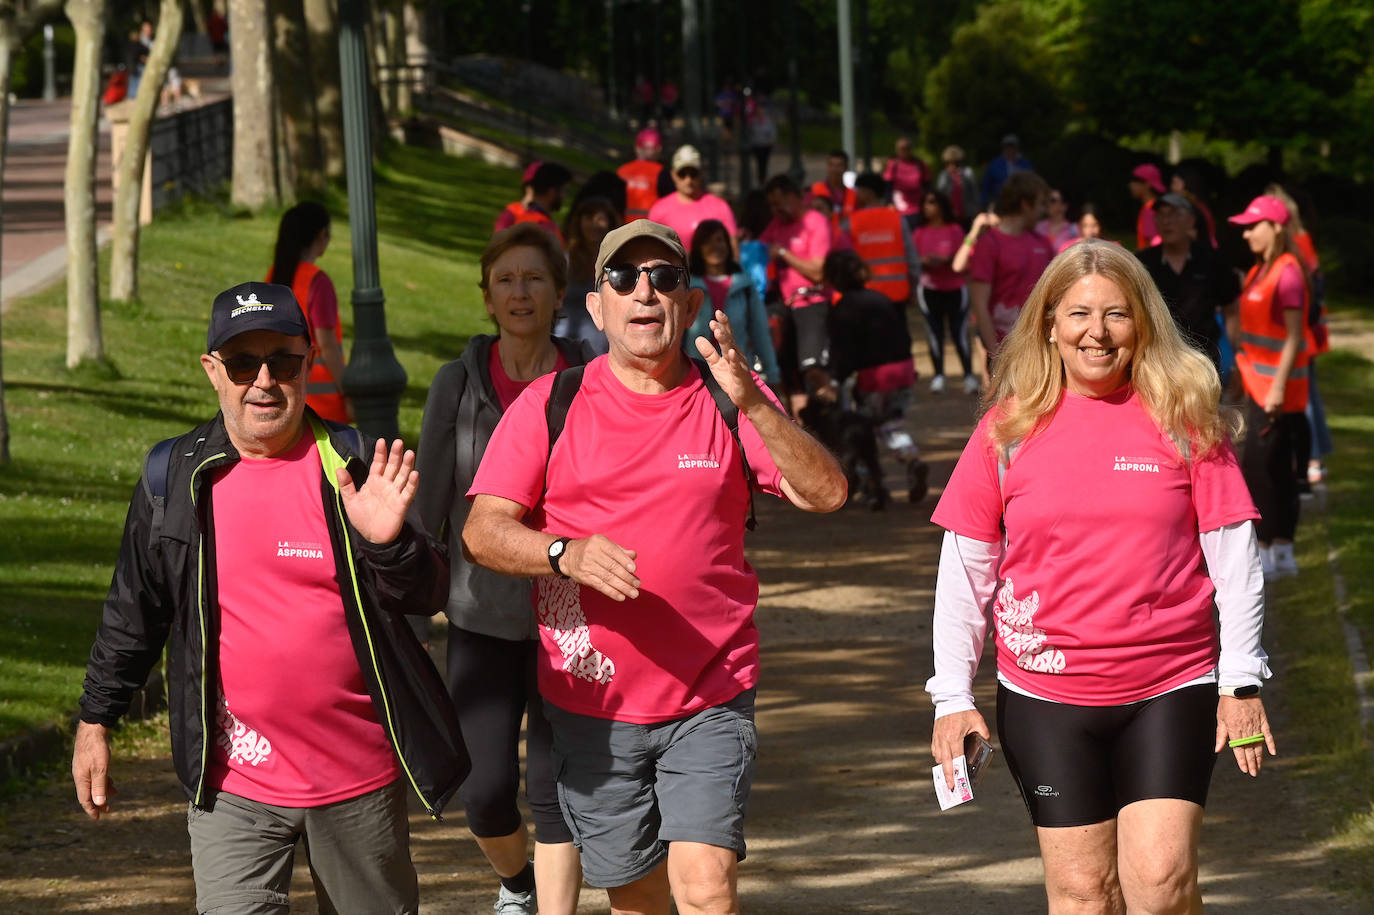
(567, 383)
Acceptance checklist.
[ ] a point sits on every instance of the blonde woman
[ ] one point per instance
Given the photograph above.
(1098, 509)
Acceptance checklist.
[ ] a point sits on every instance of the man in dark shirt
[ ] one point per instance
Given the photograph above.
(1194, 282)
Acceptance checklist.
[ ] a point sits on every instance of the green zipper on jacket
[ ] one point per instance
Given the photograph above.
(200, 607)
(331, 460)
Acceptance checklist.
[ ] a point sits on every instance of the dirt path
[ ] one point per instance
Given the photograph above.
(843, 817)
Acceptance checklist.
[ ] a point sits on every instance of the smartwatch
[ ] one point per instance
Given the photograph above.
(1239, 692)
(559, 547)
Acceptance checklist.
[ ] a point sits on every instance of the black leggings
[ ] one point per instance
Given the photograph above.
(1268, 459)
(943, 307)
(493, 683)
(1077, 764)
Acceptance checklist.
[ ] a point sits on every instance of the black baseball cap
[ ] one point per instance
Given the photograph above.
(254, 306)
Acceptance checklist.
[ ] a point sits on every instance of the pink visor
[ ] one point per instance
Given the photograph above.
(1260, 209)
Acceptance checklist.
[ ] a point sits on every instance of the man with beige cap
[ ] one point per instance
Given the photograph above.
(627, 500)
(690, 205)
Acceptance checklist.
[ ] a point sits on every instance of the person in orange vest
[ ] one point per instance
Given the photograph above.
(516, 208)
(641, 175)
(302, 237)
(546, 198)
(1146, 185)
(833, 188)
(1268, 331)
(878, 234)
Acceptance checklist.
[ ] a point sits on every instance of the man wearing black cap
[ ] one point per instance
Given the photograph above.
(279, 563)
(1194, 283)
(632, 524)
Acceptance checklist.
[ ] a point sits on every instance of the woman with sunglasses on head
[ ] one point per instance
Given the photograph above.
(492, 637)
(941, 292)
(588, 222)
(302, 237)
(729, 289)
(1268, 332)
(1056, 226)
(1098, 520)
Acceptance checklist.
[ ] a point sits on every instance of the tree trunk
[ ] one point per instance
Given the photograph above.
(83, 287)
(255, 178)
(129, 168)
(322, 24)
(8, 41)
(296, 92)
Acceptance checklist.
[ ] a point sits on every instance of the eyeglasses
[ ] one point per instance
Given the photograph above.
(689, 172)
(243, 368)
(663, 277)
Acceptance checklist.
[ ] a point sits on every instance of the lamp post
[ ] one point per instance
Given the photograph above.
(373, 379)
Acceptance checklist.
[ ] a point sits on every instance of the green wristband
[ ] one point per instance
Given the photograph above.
(1246, 741)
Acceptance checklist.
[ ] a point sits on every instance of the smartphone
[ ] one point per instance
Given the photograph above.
(978, 752)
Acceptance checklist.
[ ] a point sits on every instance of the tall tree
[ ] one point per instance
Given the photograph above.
(17, 20)
(84, 340)
(321, 22)
(129, 168)
(295, 72)
(255, 148)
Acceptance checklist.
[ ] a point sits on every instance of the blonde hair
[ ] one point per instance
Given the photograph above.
(1282, 196)
(1176, 383)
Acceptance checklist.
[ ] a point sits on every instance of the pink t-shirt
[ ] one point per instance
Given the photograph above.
(1011, 264)
(808, 238)
(1103, 595)
(1068, 231)
(507, 389)
(939, 241)
(907, 177)
(295, 725)
(718, 287)
(324, 302)
(658, 474)
(683, 216)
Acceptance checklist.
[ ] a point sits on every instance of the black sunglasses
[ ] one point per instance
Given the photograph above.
(243, 368)
(663, 277)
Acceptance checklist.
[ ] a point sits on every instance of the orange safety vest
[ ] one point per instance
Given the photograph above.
(1262, 339)
(641, 187)
(544, 221)
(877, 234)
(322, 391)
(837, 216)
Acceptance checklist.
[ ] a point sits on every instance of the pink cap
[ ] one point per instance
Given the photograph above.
(530, 170)
(1260, 209)
(648, 138)
(1150, 175)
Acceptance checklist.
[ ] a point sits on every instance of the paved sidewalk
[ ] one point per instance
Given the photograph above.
(34, 239)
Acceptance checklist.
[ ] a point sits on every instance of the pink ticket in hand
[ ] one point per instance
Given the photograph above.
(963, 788)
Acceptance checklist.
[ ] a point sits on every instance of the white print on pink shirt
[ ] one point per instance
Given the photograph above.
(299, 549)
(244, 745)
(1139, 465)
(697, 461)
(1016, 629)
(560, 612)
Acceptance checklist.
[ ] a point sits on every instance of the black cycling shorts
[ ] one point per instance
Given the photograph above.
(813, 335)
(1078, 764)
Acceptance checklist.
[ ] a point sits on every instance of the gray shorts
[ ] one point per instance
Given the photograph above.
(242, 853)
(627, 790)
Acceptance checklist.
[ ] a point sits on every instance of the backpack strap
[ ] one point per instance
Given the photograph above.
(566, 384)
(730, 413)
(155, 469)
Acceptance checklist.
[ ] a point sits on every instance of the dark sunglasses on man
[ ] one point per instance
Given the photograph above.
(663, 277)
(689, 172)
(243, 368)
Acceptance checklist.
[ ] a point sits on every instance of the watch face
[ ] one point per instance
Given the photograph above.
(556, 548)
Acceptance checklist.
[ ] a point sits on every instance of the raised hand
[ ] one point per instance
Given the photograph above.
(378, 510)
(729, 365)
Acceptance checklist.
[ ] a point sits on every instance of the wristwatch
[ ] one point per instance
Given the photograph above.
(556, 550)
(1239, 692)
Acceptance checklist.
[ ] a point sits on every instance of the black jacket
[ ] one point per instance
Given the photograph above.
(164, 586)
(461, 413)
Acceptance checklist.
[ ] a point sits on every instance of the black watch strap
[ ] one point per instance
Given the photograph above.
(556, 551)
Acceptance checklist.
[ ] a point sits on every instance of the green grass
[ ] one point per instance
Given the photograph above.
(78, 438)
(1307, 638)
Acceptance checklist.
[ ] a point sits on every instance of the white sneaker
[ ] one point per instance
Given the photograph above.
(1285, 563)
(971, 384)
(937, 384)
(512, 903)
(1267, 564)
